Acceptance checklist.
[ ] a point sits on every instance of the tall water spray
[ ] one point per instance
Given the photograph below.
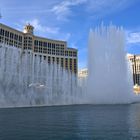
(26, 79)
(109, 78)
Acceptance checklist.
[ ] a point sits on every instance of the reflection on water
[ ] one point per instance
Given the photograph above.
(134, 121)
(109, 122)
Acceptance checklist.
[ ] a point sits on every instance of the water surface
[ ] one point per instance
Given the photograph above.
(79, 122)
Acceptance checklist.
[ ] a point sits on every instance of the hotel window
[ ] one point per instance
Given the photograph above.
(44, 50)
(53, 45)
(16, 37)
(35, 49)
(44, 57)
(0, 39)
(66, 63)
(74, 54)
(40, 49)
(49, 59)
(36, 42)
(6, 34)
(66, 53)
(70, 64)
(53, 51)
(62, 45)
(69, 53)
(45, 44)
(62, 62)
(53, 59)
(49, 51)
(49, 45)
(40, 43)
(57, 52)
(75, 70)
(75, 63)
(57, 60)
(11, 35)
(20, 38)
(2, 32)
(62, 52)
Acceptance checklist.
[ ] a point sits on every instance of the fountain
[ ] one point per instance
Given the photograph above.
(109, 79)
(26, 79)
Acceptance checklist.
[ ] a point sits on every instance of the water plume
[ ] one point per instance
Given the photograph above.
(109, 77)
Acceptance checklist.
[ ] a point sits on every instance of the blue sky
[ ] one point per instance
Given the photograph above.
(71, 20)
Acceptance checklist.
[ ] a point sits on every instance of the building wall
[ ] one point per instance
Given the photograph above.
(54, 51)
(83, 73)
(135, 62)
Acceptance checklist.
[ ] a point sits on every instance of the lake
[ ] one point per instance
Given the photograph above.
(77, 122)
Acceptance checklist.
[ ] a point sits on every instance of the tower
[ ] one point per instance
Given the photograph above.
(29, 29)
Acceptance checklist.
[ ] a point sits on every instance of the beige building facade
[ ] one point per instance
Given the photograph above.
(135, 63)
(83, 73)
(53, 51)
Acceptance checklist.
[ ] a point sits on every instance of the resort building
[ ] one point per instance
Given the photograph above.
(53, 51)
(83, 73)
(135, 63)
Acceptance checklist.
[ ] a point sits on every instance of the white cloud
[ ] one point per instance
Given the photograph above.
(33, 7)
(100, 8)
(73, 45)
(95, 8)
(133, 37)
(67, 36)
(44, 29)
(63, 9)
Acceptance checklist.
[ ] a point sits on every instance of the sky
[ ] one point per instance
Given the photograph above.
(71, 20)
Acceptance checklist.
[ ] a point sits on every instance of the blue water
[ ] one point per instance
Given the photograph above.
(81, 122)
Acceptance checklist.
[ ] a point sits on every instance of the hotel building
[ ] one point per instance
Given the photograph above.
(83, 73)
(53, 51)
(135, 63)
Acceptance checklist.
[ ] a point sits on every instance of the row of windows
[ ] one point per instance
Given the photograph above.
(48, 44)
(28, 42)
(10, 42)
(71, 60)
(61, 61)
(136, 70)
(36, 42)
(16, 40)
(28, 45)
(55, 52)
(136, 79)
(57, 59)
(10, 35)
(10, 38)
